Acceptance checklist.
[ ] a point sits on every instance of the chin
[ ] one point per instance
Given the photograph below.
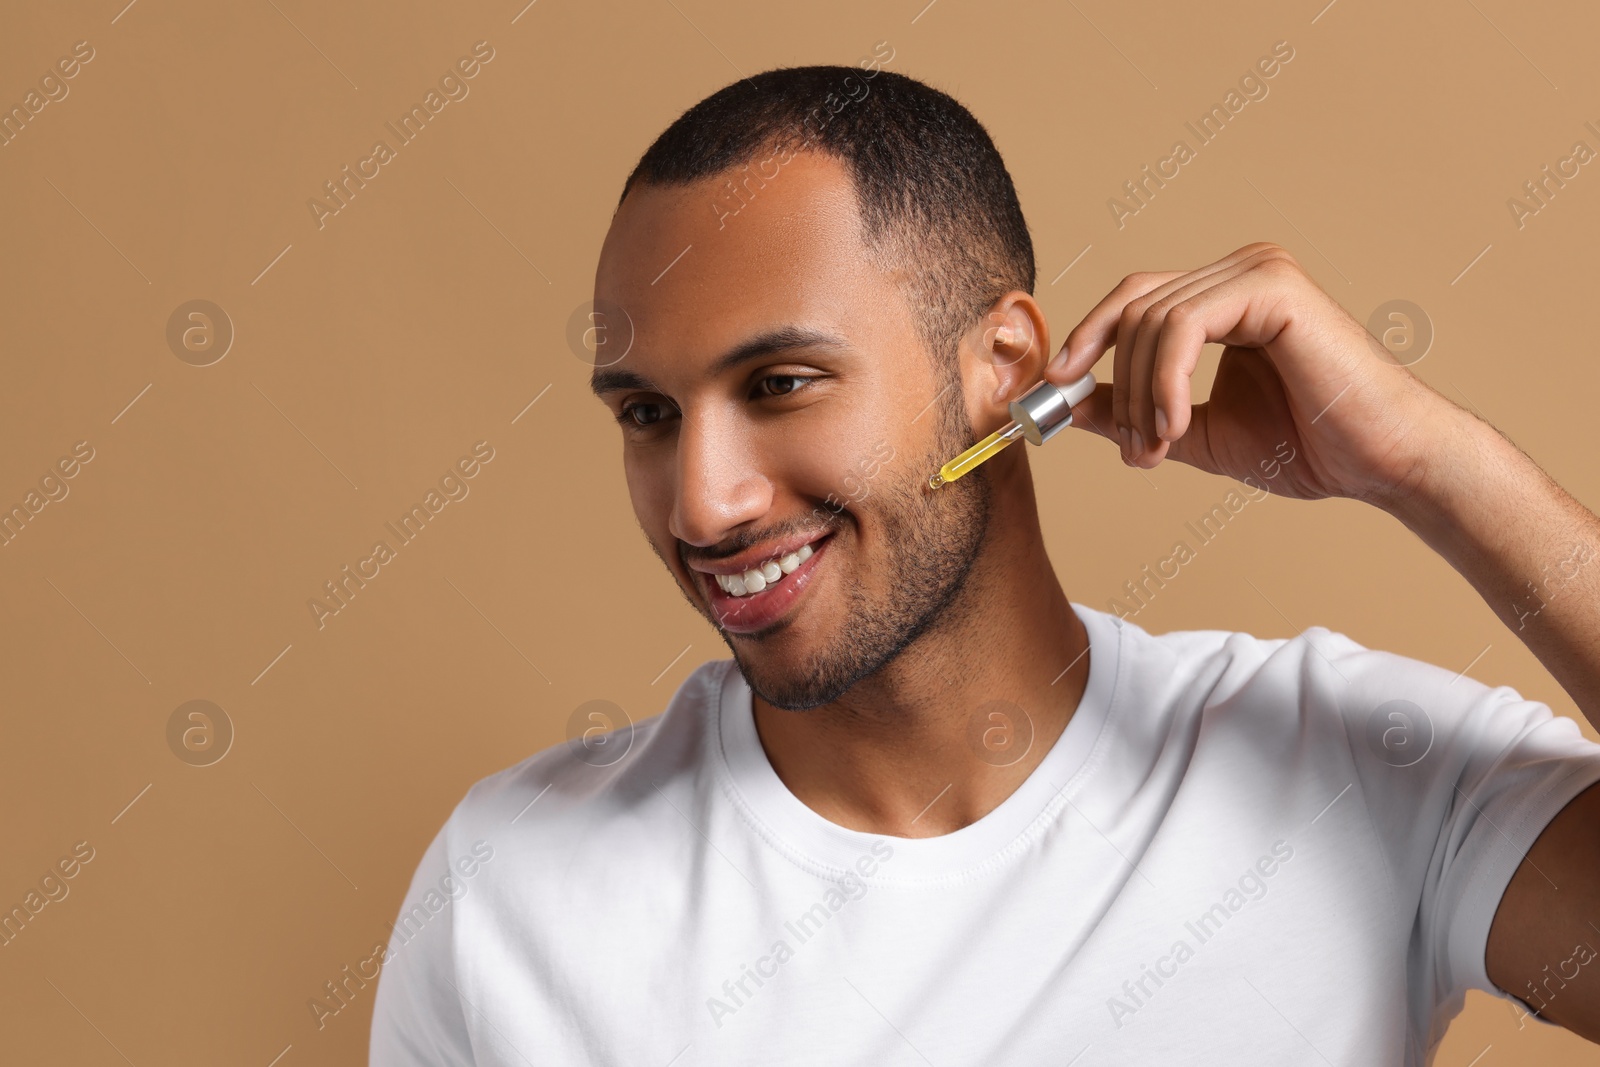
(795, 672)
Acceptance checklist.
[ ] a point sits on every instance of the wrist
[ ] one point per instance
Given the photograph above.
(1452, 471)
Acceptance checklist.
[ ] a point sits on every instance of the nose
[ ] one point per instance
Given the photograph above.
(720, 481)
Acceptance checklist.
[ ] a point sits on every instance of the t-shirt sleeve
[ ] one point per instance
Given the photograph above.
(1525, 765)
(1460, 779)
(418, 1019)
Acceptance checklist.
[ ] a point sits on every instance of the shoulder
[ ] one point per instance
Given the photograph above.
(1319, 679)
(1317, 657)
(1197, 667)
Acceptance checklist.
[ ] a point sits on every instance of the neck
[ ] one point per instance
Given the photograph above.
(915, 750)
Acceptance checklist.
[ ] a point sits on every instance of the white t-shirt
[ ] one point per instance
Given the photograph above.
(1239, 851)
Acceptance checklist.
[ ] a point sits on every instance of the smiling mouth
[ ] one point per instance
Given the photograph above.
(760, 598)
(756, 579)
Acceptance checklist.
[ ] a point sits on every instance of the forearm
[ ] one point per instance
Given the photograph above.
(1529, 549)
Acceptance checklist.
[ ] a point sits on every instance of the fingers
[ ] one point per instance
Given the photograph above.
(1093, 414)
(1123, 362)
(1089, 340)
(1165, 349)
(1159, 323)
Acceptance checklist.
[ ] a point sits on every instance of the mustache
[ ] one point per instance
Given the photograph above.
(689, 555)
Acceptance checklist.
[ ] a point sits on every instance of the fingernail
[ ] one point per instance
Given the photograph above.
(1161, 423)
(1122, 432)
(1059, 360)
(1138, 443)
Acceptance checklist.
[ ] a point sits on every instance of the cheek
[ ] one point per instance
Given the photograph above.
(840, 466)
(650, 488)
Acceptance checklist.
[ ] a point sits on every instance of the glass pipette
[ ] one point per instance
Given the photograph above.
(1038, 415)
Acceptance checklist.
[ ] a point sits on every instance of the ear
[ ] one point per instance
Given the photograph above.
(1006, 354)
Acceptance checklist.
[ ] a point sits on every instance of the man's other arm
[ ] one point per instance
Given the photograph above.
(1533, 553)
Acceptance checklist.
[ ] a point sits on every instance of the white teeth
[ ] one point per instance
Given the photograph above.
(760, 577)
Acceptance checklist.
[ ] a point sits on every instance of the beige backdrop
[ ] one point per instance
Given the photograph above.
(373, 347)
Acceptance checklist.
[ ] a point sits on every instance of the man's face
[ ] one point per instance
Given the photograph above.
(741, 454)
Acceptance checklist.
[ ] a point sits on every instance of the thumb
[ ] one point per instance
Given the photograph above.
(1093, 413)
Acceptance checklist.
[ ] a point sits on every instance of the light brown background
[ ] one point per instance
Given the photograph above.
(431, 311)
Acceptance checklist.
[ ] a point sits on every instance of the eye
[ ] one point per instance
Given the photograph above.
(640, 415)
(780, 384)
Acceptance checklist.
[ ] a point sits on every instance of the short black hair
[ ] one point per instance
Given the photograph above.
(934, 195)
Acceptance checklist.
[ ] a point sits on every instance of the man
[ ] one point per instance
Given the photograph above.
(932, 811)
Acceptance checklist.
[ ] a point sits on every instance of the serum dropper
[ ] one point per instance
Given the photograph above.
(1039, 414)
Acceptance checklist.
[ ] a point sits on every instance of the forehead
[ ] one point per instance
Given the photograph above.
(697, 269)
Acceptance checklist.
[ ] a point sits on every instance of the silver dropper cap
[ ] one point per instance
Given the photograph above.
(1046, 409)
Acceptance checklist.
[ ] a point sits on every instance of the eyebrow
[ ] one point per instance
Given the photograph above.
(780, 339)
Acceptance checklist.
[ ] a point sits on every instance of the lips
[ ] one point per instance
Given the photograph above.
(757, 611)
